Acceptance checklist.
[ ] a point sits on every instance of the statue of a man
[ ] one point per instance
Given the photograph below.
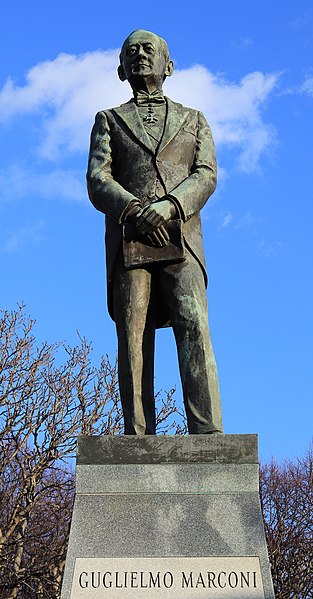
(151, 169)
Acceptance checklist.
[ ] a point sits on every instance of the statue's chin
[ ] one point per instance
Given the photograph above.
(142, 72)
(145, 80)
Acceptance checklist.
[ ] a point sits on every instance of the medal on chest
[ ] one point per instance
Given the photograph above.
(151, 117)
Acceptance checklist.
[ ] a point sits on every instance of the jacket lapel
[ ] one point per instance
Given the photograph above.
(176, 115)
(129, 114)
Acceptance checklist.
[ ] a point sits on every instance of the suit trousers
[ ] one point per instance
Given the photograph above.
(181, 289)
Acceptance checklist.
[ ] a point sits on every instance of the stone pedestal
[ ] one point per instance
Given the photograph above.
(167, 517)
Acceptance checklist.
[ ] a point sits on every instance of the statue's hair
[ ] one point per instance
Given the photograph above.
(163, 43)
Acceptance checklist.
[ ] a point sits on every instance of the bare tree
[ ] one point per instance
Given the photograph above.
(287, 503)
(46, 401)
(50, 394)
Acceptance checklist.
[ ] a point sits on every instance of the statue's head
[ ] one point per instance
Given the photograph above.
(144, 56)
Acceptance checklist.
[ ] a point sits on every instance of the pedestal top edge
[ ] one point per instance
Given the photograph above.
(154, 449)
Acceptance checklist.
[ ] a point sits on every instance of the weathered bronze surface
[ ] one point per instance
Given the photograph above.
(152, 161)
(218, 449)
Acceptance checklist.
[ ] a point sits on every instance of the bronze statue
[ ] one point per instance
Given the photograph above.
(151, 169)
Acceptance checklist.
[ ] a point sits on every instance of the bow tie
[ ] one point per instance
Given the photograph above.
(143, 97)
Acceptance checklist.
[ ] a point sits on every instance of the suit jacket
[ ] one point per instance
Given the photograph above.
(123, 166)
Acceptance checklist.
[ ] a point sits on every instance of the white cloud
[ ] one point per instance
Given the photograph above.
(19, 237)
(269, 249)
(65, 94)
(18, 181)
(302, 20)
(307, 86)
(227, 219)
(245, 41)
(248, 221)
(242, 42)
(254, 227)
(233, 109)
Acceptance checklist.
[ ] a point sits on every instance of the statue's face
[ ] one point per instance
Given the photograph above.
(143, 57)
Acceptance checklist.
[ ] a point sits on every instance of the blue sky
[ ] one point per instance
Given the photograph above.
(248, 65)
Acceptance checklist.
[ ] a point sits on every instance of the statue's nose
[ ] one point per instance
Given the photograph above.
(141, 51)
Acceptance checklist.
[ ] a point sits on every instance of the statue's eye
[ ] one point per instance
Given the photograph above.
(149, 48)
(131, 50)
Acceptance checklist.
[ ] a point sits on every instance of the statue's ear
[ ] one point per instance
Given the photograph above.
(121, 73)
(169, 68)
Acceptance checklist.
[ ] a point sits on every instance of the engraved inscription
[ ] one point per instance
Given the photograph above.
(168, 577)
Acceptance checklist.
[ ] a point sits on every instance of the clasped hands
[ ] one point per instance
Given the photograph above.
(150, 220)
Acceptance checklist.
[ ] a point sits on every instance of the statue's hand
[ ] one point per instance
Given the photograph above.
(133, 213)
(155, 215)
(159, 237)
